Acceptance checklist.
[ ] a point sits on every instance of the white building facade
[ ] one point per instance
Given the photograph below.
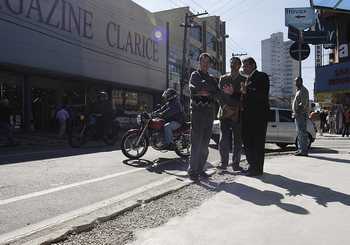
(280, 67)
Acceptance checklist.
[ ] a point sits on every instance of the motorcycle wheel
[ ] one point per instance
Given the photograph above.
(128, 145)
(183, 146)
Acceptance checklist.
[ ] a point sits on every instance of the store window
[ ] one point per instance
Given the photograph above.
(211, 41)
(11, 89)
(131, 102)
(196, 32)
(194, 53)
(285, 116)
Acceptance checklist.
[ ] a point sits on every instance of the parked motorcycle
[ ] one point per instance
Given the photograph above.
(135, 142)
(87, 128)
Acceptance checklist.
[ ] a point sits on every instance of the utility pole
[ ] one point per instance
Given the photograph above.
(184, 49)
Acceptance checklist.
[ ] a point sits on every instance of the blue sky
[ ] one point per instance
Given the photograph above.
(247, 22)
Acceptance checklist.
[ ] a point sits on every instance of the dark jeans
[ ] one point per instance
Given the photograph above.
(5, 129)
(202, 124)
(230, 129)
(346, 129)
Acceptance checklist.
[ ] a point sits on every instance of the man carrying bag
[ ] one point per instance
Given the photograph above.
(230, 116)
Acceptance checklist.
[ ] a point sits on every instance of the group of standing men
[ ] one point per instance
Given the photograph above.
(244, 107)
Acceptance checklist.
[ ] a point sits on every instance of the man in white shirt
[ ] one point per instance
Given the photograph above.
(300, 109)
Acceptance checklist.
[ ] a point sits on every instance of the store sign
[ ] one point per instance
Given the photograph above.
(343, 50)
(77, 20)
(300, 18)
(334, 77)
(108, 40)
(318, 55)
(323, 32)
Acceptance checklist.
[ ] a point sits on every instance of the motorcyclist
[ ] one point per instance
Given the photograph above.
(172, 112)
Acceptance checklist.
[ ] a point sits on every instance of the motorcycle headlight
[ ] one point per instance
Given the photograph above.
(138, 119)
(82, 117)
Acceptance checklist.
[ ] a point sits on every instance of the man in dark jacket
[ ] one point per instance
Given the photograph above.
(230, 116)
(172, 112)
(255, 115)
(5, 124)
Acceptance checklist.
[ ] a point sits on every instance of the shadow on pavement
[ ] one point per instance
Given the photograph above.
(322, 195)
(40, 154)
(338, 160)
(138, 163)
(321, 150)
(253, 195)
(170, 166)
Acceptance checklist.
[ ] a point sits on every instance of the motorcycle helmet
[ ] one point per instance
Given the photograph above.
(169, 94)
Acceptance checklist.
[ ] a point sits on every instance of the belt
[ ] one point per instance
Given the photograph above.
(202, 100)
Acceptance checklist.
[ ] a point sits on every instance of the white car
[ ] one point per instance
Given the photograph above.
(280, 129)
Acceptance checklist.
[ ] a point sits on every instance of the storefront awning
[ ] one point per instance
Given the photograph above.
(336, 5)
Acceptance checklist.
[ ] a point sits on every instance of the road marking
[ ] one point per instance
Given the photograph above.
(56, 189)
(29, 230)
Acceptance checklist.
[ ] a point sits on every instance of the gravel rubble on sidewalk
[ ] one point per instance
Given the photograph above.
(150, 215)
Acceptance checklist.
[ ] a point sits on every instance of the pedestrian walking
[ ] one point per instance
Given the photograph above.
(256, 108)
(204, 92)
(315, 117)
(323, 121)
(5, 121)
(300, 109)
(62, 117)
(230, 116)
(346, 122)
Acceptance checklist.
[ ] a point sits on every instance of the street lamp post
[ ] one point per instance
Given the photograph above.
(184, 49)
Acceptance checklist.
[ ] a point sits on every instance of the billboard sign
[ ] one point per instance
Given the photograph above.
(300, 18)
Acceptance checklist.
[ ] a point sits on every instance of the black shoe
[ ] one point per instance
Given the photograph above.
(170, 147)
(253, 174)
(204, 175)
(194, 177)
(237, 168)
(301, 154)
(221, 167)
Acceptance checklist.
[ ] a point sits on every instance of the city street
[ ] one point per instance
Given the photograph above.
(46, 189)
(62, 184)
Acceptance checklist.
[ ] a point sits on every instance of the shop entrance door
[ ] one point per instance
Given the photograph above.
(11, 88)
(44, 106)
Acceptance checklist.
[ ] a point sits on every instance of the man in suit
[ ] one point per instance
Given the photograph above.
(256, 107)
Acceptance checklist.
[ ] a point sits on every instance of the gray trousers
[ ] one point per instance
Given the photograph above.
(230, 129)
(303, 138)
(202, 123)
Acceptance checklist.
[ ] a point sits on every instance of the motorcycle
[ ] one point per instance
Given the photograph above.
(87, 129)
(135, 142)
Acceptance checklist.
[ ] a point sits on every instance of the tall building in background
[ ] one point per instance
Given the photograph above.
(278, 64)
